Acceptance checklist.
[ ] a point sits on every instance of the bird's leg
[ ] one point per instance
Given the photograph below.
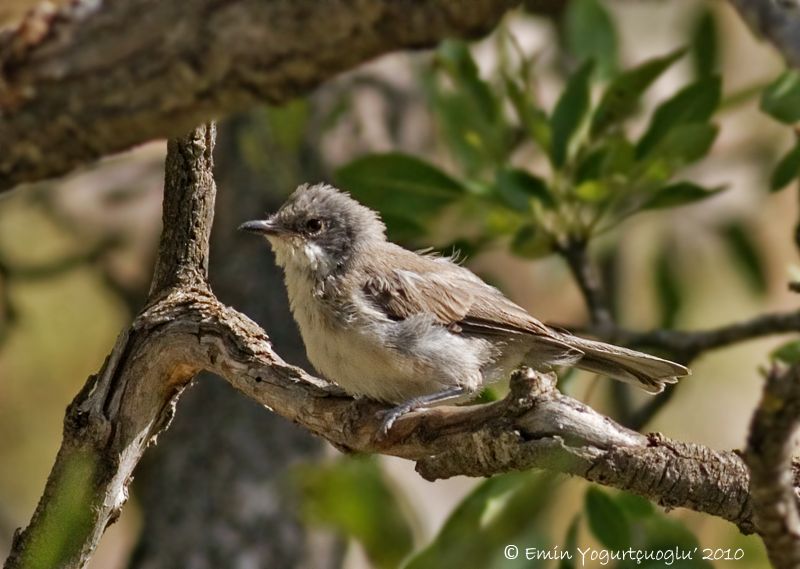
(419, 402)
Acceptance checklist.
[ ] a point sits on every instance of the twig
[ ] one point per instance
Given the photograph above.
(770, 446)
(574, 253)
(685, 346)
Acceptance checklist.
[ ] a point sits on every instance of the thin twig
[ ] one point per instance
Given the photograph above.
(686, 346)
(574, 253)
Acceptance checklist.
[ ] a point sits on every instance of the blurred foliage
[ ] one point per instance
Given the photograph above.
(787, 353)
(590, 33)
(624, 521)
(596, 175)
(501, 510)
(65, 523)
(352, 496)
(705, 44)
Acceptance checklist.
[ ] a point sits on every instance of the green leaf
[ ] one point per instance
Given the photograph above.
(607, 520)
(456, 58)
(399, 184)
(531, 242)
(788, 353)
(614, 155)
(464, 131)
(787, 170)
(402, 228)
(288, 123)
(569, 113)
(661, 533)
(502, 510)
(570, 544)
(781, 100)
(653, 531)
(590, 34)
(533, 119)
(668, 288)
(678, 194)
(695, 103)
(621, 97)
(685, 144)
(593, 191)
(634, 506)
(517, 187)
(352, 496)
(705, 44)
(746, 255)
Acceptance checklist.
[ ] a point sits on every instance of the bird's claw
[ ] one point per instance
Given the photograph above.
(389, 418)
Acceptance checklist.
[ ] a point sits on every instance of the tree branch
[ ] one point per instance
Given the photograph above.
(182, 259)
(185, 329)
(769, 456)
(79, 82)
(685, 346)
(574, 253)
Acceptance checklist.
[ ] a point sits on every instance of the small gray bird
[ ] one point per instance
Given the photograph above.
(414, 329)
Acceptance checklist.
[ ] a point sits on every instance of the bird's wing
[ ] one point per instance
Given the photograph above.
(453, 295)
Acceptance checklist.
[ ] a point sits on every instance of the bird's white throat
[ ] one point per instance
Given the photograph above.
(301, 256)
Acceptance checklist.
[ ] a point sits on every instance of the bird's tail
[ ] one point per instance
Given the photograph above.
(643, 370)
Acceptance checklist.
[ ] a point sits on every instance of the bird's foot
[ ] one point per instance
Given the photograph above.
(390, 416)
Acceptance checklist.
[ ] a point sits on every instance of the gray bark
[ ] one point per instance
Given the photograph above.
(769, 455)
(94, 78)
(213, 491)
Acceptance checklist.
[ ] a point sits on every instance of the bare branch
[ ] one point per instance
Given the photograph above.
(770, 446)
(778, 21)
(183, 252)
(79, 82)
(686, 346)
(574, 253)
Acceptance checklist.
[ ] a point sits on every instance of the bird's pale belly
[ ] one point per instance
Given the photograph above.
(362, 364)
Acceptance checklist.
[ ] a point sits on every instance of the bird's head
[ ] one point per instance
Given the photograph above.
(319, 230)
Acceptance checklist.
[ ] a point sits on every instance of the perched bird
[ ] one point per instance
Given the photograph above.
(414, 329)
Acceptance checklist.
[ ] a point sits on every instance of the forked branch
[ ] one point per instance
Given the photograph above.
(185, 329)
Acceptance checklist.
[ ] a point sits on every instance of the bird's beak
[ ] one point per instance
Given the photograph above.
(262, 227)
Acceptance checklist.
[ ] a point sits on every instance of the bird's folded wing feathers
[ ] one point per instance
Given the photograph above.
(454, 297)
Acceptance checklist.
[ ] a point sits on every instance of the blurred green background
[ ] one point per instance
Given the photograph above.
(661, 134)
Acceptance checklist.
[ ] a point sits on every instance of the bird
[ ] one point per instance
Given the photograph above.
(414, 329)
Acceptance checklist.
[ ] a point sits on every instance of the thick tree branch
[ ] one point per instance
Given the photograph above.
(184, 329)
(81, 82)
(778, 21)
(121, 410)
(769, 453)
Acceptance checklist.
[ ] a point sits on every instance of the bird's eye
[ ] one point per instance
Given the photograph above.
(314, 225)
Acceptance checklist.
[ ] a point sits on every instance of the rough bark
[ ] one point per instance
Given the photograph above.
(94, 78)
(122, 408)
(770, 447)
(214, 487)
